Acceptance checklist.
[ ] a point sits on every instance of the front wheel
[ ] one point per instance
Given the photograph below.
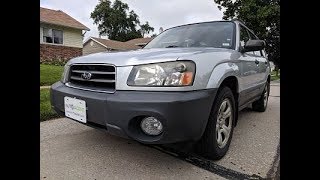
(218, 134)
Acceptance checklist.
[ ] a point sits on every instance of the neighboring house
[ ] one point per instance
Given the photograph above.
(140, 41)
(61, 36)
(95, 45)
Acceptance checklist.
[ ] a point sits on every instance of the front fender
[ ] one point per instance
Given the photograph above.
(222, 71)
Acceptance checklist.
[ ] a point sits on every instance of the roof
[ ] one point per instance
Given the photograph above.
(117, 45)
(58, 17)
(140, 40)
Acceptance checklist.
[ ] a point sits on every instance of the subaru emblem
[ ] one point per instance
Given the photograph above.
(86, 75)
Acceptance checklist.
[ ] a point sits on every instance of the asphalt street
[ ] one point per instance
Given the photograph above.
(70, 150)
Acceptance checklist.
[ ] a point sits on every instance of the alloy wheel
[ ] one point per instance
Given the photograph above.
(224, 123)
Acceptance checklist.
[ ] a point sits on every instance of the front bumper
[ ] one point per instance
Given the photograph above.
(184, 115)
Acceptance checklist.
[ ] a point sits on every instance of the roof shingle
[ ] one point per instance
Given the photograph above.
(60, 18)
(140, 40)
(117, 45)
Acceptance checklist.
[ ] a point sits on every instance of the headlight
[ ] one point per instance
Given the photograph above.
(65, 73)
(178, 73)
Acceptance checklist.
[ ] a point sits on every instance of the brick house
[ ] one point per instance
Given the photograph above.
(95, 45)
(61, 36)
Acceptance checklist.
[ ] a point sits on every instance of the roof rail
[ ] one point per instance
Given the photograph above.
(235, 19)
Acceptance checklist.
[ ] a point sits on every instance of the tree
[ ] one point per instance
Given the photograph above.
(146, 29)
(262, 16)
(116, 20)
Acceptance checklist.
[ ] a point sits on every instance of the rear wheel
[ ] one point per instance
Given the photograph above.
(261, 104)
(218, 134)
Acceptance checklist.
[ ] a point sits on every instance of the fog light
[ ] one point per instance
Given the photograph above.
(151, 126)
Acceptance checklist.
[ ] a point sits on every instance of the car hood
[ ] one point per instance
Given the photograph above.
(143, 56)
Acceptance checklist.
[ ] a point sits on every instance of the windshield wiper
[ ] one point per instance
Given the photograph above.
(172, 46)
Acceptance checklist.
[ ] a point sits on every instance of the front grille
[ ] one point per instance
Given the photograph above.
(103, 77)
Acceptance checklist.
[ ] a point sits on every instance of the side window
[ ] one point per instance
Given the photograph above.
(252, 36)
(261, 53)
(244, 37)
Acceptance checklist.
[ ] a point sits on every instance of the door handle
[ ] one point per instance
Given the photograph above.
(256, 61)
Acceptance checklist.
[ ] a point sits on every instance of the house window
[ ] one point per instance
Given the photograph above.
(52, 36)
(47, 35)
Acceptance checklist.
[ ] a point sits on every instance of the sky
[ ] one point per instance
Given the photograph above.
(159, 13)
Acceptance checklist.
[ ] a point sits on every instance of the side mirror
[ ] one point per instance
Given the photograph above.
(253, 45)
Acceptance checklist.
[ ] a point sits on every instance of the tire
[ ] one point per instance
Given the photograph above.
(261, 104)
(209, 146)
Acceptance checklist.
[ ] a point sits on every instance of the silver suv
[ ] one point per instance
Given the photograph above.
(186, 85)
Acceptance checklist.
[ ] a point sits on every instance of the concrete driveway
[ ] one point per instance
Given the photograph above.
(70, 150)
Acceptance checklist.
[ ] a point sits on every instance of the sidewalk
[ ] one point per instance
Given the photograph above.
(275, 83)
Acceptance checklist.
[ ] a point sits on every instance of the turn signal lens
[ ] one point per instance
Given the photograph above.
(187, 78)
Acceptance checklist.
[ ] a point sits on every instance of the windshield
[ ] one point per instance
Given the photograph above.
(211, 34)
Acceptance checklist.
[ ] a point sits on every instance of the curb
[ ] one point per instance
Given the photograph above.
(45, 87)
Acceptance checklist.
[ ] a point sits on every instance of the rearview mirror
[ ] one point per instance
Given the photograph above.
(253, 45)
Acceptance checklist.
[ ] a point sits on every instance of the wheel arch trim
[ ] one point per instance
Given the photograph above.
(221, 72)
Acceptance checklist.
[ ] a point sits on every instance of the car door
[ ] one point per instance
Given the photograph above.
(262, 63)
(249, 69)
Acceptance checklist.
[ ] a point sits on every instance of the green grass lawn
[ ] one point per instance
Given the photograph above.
(46, 112)
(273, 76)
(50, 74)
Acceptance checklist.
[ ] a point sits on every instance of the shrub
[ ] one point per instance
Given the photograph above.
(56, 61)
